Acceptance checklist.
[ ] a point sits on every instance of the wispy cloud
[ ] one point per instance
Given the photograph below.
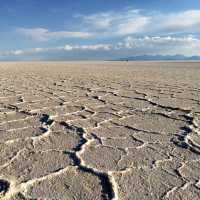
(105, 47)
(140, 22)
(117, 23)
(131, 42)
(67, 47)
(42, 34)
(122, 23)
(187, 45)
(181, 21)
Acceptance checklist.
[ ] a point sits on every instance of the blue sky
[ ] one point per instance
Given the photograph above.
(97, 29)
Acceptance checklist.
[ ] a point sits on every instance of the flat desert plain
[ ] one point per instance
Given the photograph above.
(100, 130)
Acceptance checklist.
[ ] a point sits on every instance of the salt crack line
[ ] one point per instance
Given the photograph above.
(109, 186)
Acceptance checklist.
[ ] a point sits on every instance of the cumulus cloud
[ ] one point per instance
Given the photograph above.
(42, 34)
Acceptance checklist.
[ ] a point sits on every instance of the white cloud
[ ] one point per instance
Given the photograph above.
(132, 26)
(123, 23)
(190, 41)
(187, 45)
(20, 52)
(42, 34)
(99, 20)
(96, 47)
(182, 21)
(105, 47)
(17, 52)
(117, 23)
(141, 22)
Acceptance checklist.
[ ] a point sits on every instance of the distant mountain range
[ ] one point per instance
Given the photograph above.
(158, 57)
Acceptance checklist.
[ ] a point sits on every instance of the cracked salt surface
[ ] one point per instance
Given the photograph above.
(99, 130)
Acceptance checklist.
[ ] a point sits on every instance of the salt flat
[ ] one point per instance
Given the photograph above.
(100, 130)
